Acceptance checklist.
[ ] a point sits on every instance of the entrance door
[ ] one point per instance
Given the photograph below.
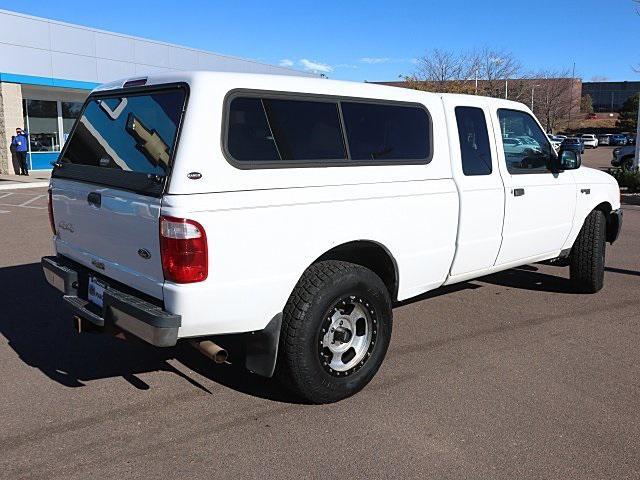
(539, 204)
(473, 153)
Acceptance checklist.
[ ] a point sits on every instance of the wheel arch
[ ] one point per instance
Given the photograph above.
(612, 220)
(369, 254)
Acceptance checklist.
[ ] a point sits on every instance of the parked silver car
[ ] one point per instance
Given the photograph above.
(604, 139)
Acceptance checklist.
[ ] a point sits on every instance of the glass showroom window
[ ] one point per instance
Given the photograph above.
(42, 124)
(70, 111)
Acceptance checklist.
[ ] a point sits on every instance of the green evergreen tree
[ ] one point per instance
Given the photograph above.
(628, 119)
(586, 104)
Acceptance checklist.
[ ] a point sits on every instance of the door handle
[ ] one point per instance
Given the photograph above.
(518, 192)
(95, 199)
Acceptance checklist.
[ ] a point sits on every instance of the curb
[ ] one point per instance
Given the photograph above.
(18, 186)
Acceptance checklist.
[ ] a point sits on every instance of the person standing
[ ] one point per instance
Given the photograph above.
(21, 143)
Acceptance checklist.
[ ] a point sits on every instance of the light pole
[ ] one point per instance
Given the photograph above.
(476, 80)
(636, 158)
(532, 90)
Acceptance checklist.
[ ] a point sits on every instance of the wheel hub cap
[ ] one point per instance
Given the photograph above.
(348, 336)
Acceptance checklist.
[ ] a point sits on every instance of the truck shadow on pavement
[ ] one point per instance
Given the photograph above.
(39, 328)
(529, 277)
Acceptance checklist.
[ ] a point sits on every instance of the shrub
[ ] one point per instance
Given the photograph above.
(627, 178)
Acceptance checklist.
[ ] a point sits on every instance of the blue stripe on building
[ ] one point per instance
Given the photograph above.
(46, 81)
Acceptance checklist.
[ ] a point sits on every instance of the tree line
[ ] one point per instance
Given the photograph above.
(551, 94)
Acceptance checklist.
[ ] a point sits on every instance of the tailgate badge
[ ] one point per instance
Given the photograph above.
(144, 253)
(194, 175)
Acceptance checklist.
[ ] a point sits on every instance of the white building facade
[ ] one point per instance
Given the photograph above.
(47, 69)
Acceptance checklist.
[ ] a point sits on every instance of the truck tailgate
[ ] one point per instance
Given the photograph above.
(107, 186)
(117, 237)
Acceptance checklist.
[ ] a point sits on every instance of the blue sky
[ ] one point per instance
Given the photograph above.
(377, 40)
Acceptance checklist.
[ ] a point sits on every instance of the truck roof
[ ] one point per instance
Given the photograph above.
(289, 83)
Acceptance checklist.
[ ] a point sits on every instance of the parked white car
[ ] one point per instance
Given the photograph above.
(589, 140)
(294, 212)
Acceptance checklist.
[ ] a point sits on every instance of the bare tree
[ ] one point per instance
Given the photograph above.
(484, 72)
(442, 71)
(554, 97)
(495, 68)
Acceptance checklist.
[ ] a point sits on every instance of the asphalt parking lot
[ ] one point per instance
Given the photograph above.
(510, 376)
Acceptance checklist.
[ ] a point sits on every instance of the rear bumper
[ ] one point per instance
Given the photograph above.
(127, 311)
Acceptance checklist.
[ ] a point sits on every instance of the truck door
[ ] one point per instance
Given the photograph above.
(480, 187)
(539, 204)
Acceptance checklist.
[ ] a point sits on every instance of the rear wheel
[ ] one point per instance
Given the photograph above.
(588, 254)
(335, 332)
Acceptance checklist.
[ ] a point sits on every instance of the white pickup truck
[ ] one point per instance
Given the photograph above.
(293, 213)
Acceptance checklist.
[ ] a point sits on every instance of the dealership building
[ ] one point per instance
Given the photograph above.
(47, 69)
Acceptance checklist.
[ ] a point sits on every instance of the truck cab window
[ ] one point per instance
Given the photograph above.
(475, 152)
(526, 147)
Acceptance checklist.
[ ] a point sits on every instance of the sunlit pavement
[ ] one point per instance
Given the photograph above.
(511, 376)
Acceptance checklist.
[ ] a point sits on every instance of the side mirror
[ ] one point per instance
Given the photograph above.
(569, 159)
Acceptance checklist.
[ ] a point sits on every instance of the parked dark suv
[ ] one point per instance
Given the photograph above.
(619, 139)
(574, 144)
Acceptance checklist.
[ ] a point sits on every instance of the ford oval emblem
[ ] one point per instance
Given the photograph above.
(144, 253)
(194, 175)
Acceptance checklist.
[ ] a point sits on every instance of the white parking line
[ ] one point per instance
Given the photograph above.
(18, 186)
(31, 200)
(5, 195)
(25, 206)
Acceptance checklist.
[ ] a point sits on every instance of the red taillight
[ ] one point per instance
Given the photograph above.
(183, 248)
(52, 222)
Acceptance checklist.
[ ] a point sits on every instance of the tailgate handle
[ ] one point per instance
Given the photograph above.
(95, 199)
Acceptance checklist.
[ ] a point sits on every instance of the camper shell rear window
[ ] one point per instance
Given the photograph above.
(125, 138)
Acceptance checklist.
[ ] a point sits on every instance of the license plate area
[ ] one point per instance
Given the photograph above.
(95, 291)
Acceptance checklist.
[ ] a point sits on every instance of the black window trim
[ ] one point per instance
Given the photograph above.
(348, 162)
(113, 179)
(554, 156)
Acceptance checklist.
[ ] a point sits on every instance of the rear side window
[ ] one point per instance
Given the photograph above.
(250, 137)
(279, 132)
(386, 132)
(274, 130)
(474, 141)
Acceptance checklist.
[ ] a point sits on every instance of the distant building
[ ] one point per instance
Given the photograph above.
(47, 69)
(609, 96)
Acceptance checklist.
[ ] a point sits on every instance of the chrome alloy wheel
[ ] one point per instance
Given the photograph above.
(348, 336)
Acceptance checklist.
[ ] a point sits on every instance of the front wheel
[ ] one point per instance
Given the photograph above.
(588, 254)
(336, 329)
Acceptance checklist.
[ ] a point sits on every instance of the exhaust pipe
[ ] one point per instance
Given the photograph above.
(211, 350)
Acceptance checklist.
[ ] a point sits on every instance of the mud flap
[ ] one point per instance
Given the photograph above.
(262, 348)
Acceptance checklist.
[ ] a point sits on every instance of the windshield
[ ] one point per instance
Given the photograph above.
(128, 137)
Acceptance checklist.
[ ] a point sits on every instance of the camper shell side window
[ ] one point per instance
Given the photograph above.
(263, 129)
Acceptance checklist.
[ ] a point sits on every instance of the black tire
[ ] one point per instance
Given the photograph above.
(309, 311)
(588, 253)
